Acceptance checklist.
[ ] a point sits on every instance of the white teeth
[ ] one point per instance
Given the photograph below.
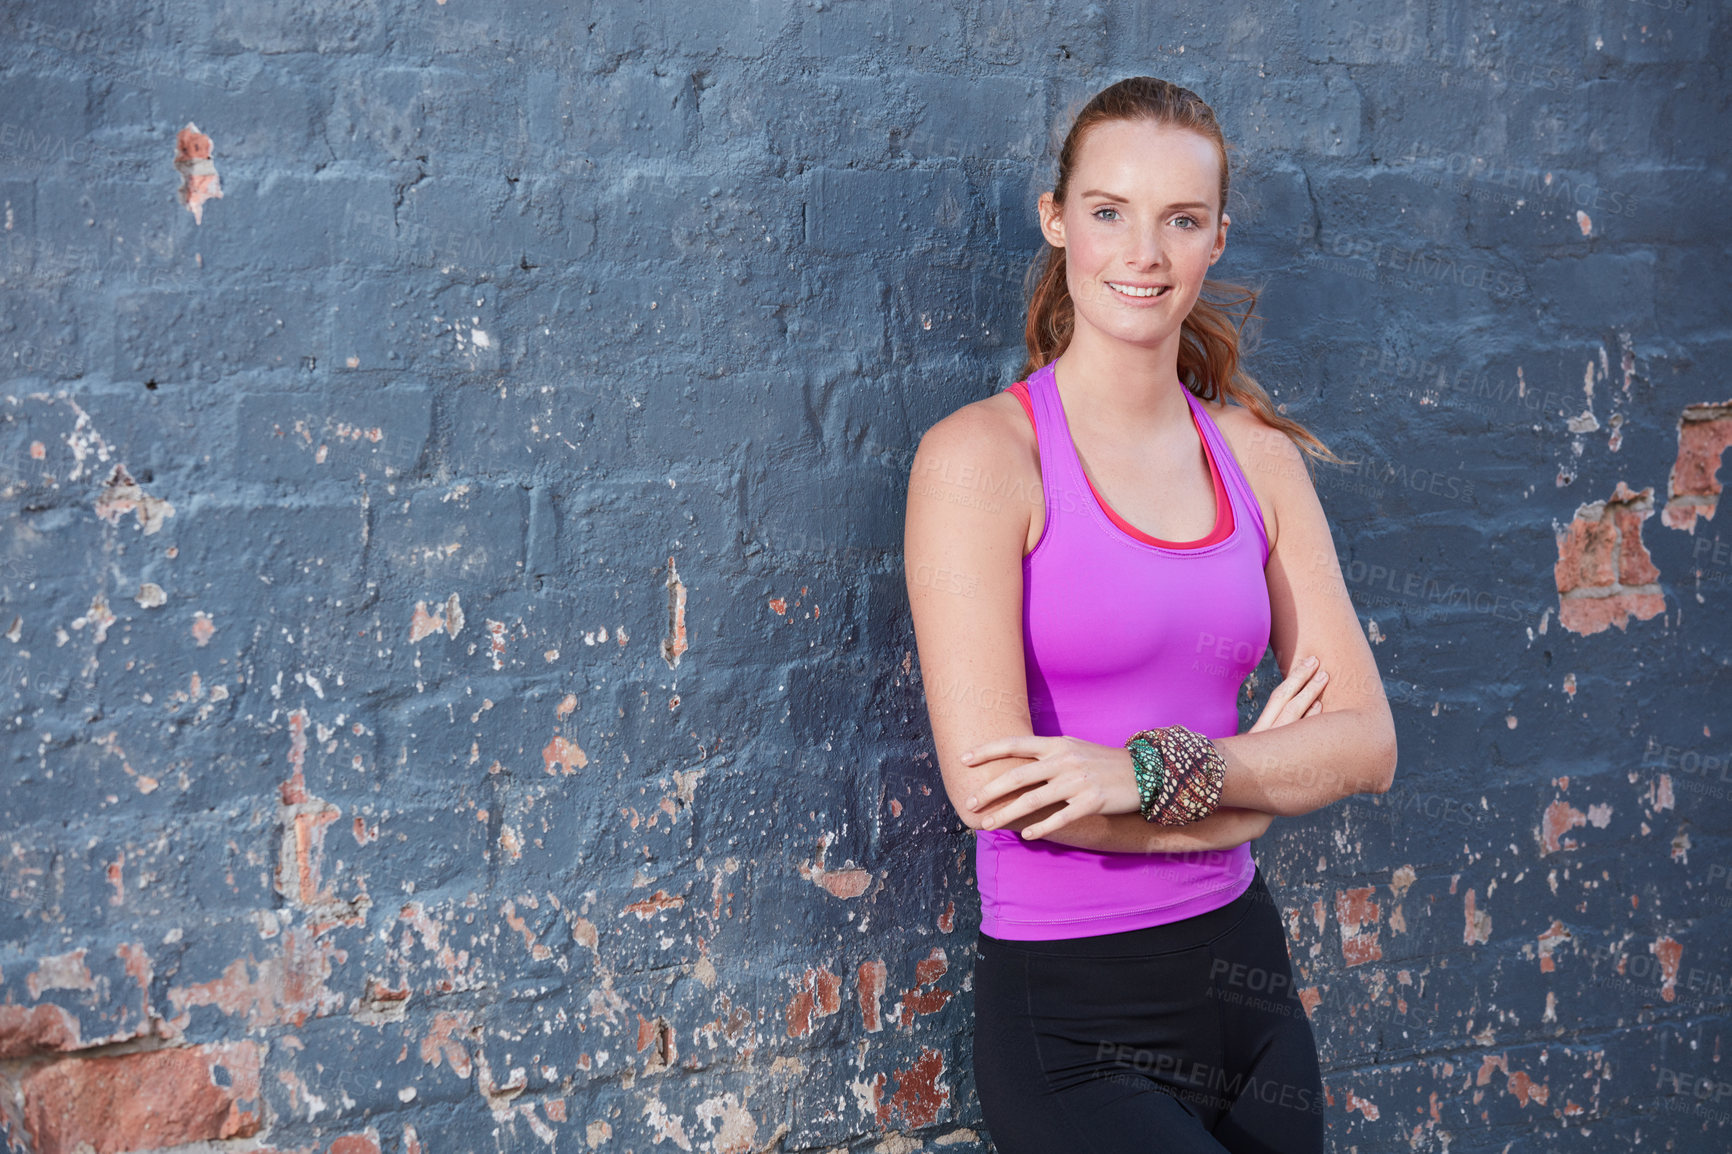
(1131, 290)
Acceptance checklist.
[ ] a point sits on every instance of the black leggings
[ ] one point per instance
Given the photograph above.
(1183, 1037)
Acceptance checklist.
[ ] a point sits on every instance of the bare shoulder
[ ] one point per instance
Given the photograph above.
(995, 423)
(1271, 461)
(986, 443)
(1256, 443)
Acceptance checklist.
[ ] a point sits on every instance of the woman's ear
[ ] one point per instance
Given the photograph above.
(1051, 223)
(1220, 239)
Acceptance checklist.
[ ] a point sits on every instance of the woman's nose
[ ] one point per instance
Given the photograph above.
(1146, 247)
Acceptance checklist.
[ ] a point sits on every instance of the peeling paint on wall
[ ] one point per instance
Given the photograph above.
(1693, 487)
(1604, 574)
(192, 158)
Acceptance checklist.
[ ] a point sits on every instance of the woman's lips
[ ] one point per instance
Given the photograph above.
(1140, 298)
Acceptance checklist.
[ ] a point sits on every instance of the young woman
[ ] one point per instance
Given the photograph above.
(1106, 549)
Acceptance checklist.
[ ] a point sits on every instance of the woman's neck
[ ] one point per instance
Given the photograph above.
(1111, 384)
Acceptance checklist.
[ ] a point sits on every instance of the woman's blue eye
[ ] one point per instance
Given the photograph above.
(1192, 219)
(1098, 211)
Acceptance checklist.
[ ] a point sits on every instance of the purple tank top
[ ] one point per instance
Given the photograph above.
(1120, 634)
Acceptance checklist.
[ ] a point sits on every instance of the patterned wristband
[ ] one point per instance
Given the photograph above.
(1150, 773)
(1198, 792)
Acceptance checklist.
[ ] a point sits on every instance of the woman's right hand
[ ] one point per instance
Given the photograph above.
(1295, 697)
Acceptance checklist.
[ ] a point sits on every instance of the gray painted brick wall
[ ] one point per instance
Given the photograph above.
(460, 691)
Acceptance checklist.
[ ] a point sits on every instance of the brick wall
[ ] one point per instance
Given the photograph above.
(460, 692)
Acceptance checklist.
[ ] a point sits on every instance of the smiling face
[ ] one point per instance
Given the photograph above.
(1140, 226)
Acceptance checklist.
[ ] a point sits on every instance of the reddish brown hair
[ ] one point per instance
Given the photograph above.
(1209, 347)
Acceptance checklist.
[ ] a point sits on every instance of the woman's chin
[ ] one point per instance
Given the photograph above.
(1142, 332)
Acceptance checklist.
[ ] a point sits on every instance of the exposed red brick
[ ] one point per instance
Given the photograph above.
(294, 790)
(365, 1143)
(1477, 930)
(919, 1096)
(654, 904)
(1363, 1105)
(442, 1044)
(43, 1029)
(674, 644)
(1525, 1088)
(820, 992)
(1589, 557)
(872, 978)
(561, 756)
(121, 495)
(289, 987)
(1693, 489)
(926, 1000)
(1635, 566)
(199, 181)
(144, 1100)
(1559, 817)
(1548, 942)
(1668, 951)
(1603, 573)
(1355, 910)
(845, 883)
(60, 972)
(449, 618)
(828, 987)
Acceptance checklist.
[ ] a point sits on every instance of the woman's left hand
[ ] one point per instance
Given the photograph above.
(1084, 777)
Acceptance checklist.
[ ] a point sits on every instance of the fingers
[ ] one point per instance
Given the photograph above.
(1041, 828)
(1025, 745)
(1294, 697)
(1300, 675)
(1027, 803)
(1001, 747)
(1294, 681)
(1007, 781)
(1307, 694)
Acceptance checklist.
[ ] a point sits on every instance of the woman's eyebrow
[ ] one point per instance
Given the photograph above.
(1204, 205)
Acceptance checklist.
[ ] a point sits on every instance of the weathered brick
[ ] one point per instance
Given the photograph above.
(303, 436)
(867, 211)
(145, 1100)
